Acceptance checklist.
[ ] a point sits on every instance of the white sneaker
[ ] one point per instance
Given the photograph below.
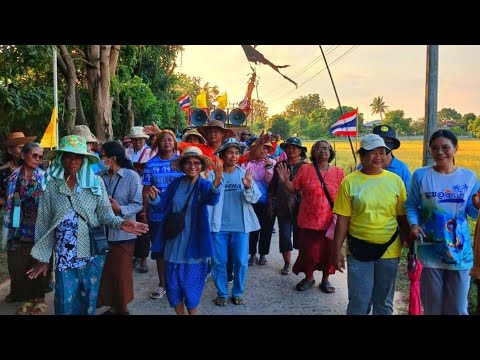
(158, 293)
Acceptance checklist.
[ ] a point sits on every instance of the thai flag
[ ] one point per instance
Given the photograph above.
(346, 125)
(184, 102)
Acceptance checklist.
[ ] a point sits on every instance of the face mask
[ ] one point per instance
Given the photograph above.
(102, 166)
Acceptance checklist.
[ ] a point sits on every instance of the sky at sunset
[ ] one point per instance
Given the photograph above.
(360, 73)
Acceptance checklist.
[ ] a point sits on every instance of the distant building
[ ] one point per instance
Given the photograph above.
(369, 125)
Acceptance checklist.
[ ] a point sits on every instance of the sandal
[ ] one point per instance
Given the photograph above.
(304, 285)
(25, 309)
(220, 301)
(143, 269)
(263, 260)
(326, 287)
(158, 293)
(39, 308)
(237, 300)
(286, 270)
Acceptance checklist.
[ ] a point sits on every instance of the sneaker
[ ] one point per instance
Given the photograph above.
(252, 260)
(158, 293)
(230, 278)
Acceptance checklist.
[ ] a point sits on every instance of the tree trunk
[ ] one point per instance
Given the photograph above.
(80, 119)
(130, 115)
(102, 61)
(67, 68)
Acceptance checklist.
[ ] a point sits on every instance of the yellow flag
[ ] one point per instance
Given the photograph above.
(222, 101)
(49, 139)
(201, 100)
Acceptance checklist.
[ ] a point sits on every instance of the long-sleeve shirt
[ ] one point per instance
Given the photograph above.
(126, 188)
(439, 204)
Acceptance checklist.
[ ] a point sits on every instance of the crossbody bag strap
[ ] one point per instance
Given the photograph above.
(184, 209)
(141, 155)
(325, 190)
(115, 188)
(83, 218)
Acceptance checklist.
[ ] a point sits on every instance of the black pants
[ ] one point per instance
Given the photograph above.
(142, 245)
(263, 236)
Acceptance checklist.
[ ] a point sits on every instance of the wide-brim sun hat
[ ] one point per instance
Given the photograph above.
(231, 142)
(386, 131)
(191, 151)
(372, 141)
(137, 132)
(84, 131)
(227, 133)
(193, 132)
(73, 144)
(293, 141)
(17, 138)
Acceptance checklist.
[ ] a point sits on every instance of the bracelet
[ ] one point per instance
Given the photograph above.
(143, 213)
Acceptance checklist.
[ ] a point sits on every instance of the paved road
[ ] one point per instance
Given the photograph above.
(267, 292)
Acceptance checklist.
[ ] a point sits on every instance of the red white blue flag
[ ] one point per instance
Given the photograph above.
(184, 102)
(346, 125)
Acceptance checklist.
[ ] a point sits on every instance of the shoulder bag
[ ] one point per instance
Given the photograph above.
(174, 222)
(331, 228)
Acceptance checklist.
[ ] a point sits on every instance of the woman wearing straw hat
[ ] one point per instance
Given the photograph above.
(232, 219)
(19, 222)
(187, 253)
(14, 144)
(73, 199)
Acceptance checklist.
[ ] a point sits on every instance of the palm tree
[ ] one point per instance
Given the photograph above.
(378, 106)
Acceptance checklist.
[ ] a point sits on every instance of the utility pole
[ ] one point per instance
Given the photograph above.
(431, 95)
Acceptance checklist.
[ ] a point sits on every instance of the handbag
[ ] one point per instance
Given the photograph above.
(331, 228)
(98, 238)
(365, 251)
(174, 222)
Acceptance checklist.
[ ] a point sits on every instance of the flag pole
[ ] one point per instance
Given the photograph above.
(339, 105)
(55, 92)
(356, 134)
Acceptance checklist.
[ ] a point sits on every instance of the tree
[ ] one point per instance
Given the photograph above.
(260, 113)
(26, 89)
(397, 120)
(467, 119)
(417, 127)
(280, 126)
(448, 117)
(304, 105)
(378, 106)
(474, 127)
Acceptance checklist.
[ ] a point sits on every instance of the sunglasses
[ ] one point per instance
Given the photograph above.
(36, 156)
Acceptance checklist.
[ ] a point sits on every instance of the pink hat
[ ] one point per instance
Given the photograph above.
(126, 139)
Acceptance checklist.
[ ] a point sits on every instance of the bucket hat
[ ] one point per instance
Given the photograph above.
(17, 138)
(84, 131)
(386, 131)
(137, 132)
(191, 151)
(74, 144)
(231, 142)
(292, 140)
(193, 132)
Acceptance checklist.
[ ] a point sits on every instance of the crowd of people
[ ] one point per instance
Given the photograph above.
(227, 192)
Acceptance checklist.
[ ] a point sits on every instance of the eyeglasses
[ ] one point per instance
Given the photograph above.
(193, 163)
(36, 156)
